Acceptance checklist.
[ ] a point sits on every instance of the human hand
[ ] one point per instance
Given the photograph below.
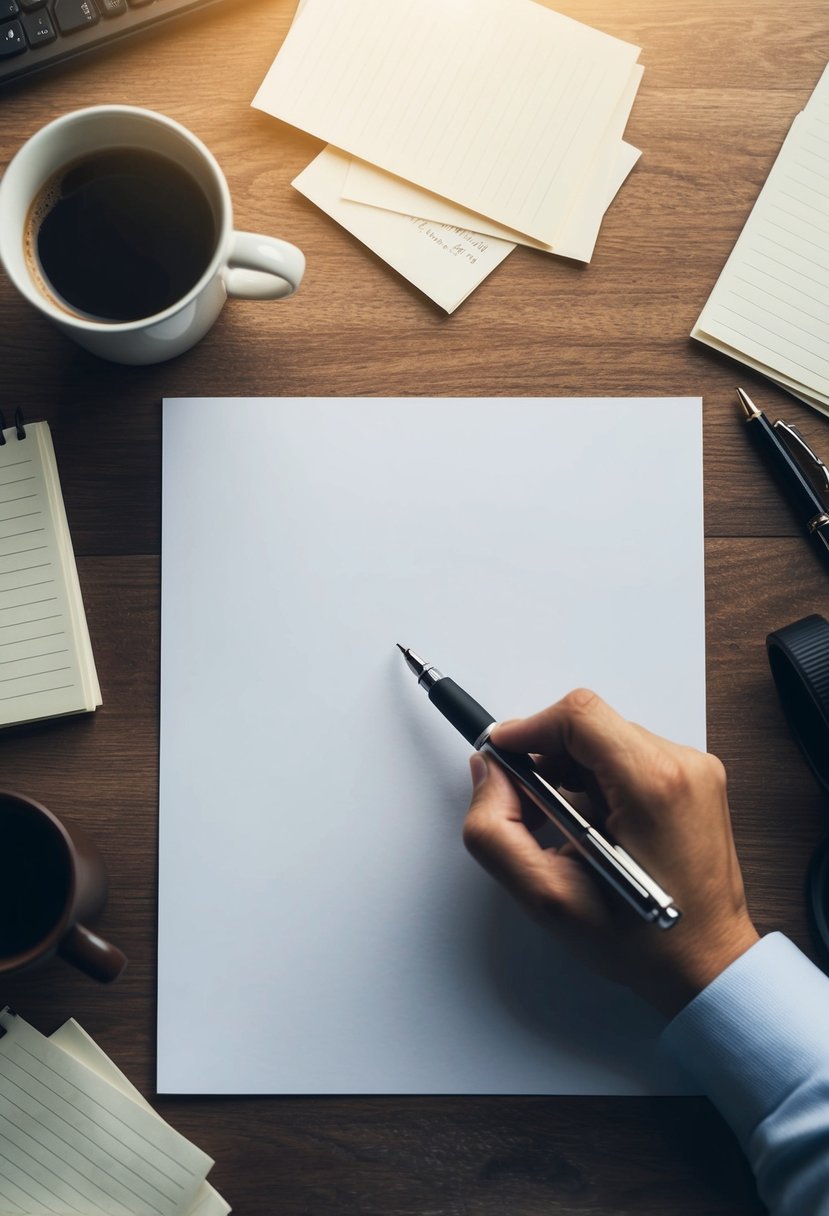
(664, 803)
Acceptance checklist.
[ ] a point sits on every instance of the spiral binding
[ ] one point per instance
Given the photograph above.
(20, 430)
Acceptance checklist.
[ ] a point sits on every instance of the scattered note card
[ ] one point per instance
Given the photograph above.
(770, 306)
(46, 663)
(445, 262)
(500, 106)
(71, 1142)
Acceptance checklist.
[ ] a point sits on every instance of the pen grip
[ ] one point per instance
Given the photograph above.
(463, 711)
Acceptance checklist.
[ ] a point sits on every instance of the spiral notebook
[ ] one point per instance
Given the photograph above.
(46, 663)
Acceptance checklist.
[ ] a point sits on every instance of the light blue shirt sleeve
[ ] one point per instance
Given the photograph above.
(757, 1042)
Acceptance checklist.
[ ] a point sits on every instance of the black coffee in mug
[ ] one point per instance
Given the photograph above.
(35, 876)
(120, 234)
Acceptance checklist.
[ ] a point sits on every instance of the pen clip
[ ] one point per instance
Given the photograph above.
(808, 460)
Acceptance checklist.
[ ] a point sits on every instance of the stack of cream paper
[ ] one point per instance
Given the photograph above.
(457, 131)
(770, 306)
(77, 1137)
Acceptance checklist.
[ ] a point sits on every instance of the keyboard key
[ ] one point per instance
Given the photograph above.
(39, 29)
(111, 8)
(12, 41)
(72, 15)
(8, 9)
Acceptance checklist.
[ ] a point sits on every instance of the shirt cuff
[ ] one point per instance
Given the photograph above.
(755, 1032)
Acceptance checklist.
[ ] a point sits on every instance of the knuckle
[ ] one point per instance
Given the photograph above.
(715, 771)
(580, 706)
(674, 778)
(581, 701)
(683, 775)
(477, 834)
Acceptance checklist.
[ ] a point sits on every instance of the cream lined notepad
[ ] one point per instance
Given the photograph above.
(46, 663)
(770, 306)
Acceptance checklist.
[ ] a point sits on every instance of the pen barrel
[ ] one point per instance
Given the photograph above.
(788, 473)
(616, 866)
(463, 711)
(631, 881)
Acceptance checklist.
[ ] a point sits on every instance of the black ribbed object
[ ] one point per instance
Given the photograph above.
(799, 660)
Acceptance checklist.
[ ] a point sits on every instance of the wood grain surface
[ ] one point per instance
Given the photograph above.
(721, 86)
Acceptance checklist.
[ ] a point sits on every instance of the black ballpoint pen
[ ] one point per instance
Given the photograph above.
(608, 859)
(792, 461)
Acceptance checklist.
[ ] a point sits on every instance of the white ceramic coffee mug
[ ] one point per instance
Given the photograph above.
(243, 264)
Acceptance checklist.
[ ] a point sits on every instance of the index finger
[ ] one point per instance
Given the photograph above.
(580, 728)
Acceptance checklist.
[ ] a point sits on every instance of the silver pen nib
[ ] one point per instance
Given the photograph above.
(413, 660)
(426, 672)
(750, 409)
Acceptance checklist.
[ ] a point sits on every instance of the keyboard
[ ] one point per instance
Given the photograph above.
(39, 34)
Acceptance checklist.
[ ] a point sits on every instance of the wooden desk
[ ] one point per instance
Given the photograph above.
(721, 86)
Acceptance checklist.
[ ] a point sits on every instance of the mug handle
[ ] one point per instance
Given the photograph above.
(262, 267)
(91, 954)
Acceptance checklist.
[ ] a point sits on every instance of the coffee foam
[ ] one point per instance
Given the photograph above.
(45, 200)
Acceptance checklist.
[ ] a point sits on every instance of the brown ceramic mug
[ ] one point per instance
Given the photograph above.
(53, 881)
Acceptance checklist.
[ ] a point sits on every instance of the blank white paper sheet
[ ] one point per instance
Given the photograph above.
(321, 927)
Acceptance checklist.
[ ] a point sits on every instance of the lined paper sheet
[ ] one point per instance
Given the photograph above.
(770, 306)
(70, 1143)
(579, 232)
(301, 540)
(498, 105)
(46, 665)
(444, 261)
(72, 1038)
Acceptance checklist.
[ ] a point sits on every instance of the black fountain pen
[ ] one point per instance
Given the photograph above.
(608, 859)
(801, 473)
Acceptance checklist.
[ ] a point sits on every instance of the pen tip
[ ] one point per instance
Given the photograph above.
(751, 410)
(413, 661)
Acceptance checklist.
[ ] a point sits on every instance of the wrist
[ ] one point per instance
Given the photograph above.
(693, 962)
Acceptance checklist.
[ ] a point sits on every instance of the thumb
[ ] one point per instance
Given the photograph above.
(548, 884)
(493, 794)
(478, 771)
(494, 831)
